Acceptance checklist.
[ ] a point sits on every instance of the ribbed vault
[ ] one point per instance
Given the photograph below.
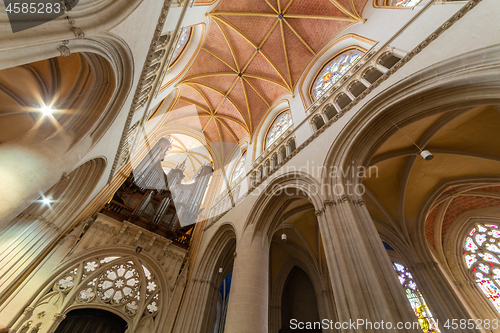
(254, 53)
(186, 151)
(466, 150)
(67, 84)
(455, 201)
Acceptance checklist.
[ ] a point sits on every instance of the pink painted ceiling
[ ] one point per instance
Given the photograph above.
(253, 54)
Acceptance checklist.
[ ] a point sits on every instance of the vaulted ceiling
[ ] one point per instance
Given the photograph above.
(455, 201)
(24, 88)
(186, 150)
(463, 175)
(253, 54)
(66, 84)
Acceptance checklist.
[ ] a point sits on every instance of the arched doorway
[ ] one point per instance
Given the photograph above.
(91, 321)
(222, 302)
(298, 301)
(299, 280)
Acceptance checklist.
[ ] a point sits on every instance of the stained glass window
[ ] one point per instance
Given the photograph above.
(404, 3)
(417, 302)
(333, 71)
(278, 127)
(239, 169)
(481, 255)
(181, 44)
(222, 303)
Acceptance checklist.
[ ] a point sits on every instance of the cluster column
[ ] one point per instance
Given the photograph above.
(364, 284)
(437, 292)
(249, 297)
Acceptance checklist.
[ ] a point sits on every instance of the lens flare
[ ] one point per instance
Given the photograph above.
(46, 110)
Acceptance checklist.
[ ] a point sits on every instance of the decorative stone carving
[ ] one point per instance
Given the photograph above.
(420, 266)
(70, 20)
(68, 4)
(28, 310)
(342, 199)
(319, 212)
(433, 264)
(64, 49)
(58, 317)
(79, 34)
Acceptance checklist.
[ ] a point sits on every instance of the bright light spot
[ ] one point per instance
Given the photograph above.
(46, 110)
(46, 201)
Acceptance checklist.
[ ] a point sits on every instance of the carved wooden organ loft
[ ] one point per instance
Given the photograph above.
(158, 202)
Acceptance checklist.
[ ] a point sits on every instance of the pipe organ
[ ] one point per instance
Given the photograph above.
(160, 202)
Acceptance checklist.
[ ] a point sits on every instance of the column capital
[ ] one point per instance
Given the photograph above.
(423, 265)
(342, 199)
(28, 310)
(420, 265)
(59, 316)
(432, 263)
(360, 202)
(327, 203)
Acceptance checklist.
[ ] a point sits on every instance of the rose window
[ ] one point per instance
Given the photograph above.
(126, 285)
(118, 284)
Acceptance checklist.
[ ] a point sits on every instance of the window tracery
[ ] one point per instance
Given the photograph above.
(120, 282)
(481, 255)
(417, 302)
(239, 169)
(222, 304)
(333, 71)
(397, 3)
(181, 44)
(404, 3)
(278, 127)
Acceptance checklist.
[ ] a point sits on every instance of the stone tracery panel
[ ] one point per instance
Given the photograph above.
(122, 285)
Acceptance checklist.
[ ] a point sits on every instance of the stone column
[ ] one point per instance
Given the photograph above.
(364, 284)
(20, 244)
(249, 296)
(325, 119)
(437, 292)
